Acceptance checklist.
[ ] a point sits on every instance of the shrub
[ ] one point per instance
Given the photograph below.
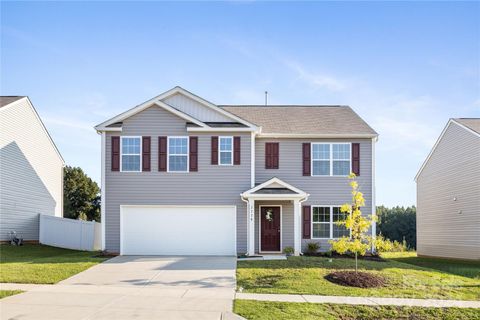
(288, 251)
(383, 244)
(313, 247)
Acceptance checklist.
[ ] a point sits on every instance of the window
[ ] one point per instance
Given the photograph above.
(131, 150)
(226, 150)
(331, 159)
(177, 154)
(324, 223)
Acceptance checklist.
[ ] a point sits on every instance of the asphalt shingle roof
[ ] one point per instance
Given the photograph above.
(303, 119)
(471, 123)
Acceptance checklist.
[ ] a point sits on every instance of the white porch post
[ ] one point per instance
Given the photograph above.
(251, 227)
(297, 228)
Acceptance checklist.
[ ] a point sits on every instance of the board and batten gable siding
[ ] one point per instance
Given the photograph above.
(195, 109)
(323, 190)
(453, 171)
(210, 185)
(31, 172)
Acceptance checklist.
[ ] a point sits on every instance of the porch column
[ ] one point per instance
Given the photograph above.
(297, 228)
(251, 227)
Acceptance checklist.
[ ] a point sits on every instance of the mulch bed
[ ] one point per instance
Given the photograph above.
(356, 279)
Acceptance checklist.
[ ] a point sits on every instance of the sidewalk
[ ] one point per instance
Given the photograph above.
(21, 286)
(370, 301)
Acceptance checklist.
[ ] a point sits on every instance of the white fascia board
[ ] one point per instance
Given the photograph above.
(276, 180)
(318, 136)
(17, 102)
(450, 122)
(213, 106)
(263, 196)
(211, 129)
(108, 129)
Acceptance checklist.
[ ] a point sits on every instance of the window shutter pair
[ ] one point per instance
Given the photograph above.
(306, 151)
(146, 153)
(193, 153)
(271, 155)
(236, 150)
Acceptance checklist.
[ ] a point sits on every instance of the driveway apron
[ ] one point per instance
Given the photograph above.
(134, 287)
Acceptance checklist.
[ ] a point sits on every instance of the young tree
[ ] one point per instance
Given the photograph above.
(81, 198)
(359, 242)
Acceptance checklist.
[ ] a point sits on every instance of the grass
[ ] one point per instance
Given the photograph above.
(290, 310)
(305, 275)
(42, 264)
(7, 293)
(465, 268)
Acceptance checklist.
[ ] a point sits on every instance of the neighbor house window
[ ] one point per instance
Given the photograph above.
(177, 154)
(131, 154)
(331, 159)
(226, 150)
(324, 225)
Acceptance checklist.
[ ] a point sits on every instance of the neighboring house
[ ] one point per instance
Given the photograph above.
(31, 170)
(181, 175)
(448, 194)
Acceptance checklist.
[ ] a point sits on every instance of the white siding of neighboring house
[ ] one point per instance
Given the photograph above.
(445, 227)
(31, 172)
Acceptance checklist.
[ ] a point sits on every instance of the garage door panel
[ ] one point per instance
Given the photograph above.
(178, 230)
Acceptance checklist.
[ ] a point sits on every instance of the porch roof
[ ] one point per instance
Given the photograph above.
(274, 188)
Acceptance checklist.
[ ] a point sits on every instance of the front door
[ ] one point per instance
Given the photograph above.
(270, 228)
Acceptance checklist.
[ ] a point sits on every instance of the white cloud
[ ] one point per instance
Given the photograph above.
(314, 79)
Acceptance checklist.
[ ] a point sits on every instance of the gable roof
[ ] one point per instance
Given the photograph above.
(160, 102)
(287, 120)
(6, 100)
(471, 123)
(274, 187)
(473, 127)
(14, 101)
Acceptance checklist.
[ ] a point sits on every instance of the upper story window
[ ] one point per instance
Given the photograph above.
(177, 154)
(131, 154)
(324, 223)
(331, 159)
(225, 154)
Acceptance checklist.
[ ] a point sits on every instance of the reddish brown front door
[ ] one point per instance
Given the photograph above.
(270, 229)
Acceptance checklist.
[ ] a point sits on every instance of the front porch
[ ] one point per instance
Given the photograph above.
(274, 218)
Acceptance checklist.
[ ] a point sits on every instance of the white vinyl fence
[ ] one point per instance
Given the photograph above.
(69, 233)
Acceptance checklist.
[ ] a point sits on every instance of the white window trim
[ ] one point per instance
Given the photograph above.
(130, 154)
(330, 160)
(331, 223)
(220, 151)
(174, 154)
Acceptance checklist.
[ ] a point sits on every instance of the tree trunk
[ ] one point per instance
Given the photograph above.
(356, 262)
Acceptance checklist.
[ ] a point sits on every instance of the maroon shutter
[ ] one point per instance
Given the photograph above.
(306, 159)
(146, 153)
(268, 155)
(236, 150)
(356, 158)
(116, 153)
(271, 155)
(306, 222)
(193, 153)
(162, 153)
(215, 150)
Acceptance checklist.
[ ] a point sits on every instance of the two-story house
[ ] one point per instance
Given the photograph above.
(183, 176)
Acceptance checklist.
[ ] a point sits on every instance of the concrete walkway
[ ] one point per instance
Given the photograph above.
(370, 301)
(133, 288)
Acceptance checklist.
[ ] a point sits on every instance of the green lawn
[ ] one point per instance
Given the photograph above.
(305, 275)
(42, 264)
(7, 293)
(470, 269)
(291, 310)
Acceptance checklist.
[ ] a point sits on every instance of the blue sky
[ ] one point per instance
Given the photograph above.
(406, 68)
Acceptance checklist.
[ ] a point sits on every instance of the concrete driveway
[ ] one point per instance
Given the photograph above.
(134, 287)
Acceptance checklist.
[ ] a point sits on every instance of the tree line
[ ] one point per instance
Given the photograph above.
(398, 223)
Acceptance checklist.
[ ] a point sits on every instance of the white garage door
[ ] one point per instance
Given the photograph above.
(189, 230)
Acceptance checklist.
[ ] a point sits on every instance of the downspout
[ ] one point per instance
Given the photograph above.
(300, 204)
(374, 208)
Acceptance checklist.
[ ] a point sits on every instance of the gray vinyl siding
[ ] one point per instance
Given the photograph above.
(323, 190)
(286, 225)
(453, 171)
(211, 185)
(31, 173)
